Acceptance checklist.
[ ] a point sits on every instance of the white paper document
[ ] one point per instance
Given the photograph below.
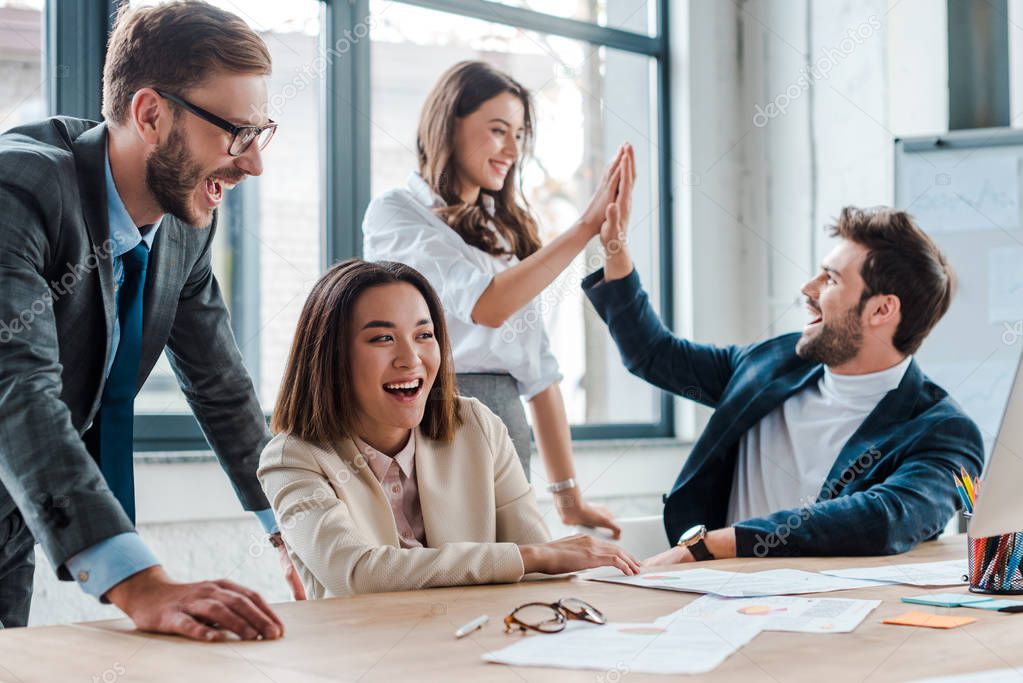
(948, 573)
(740, 585)
(783, 613)
(685, 645)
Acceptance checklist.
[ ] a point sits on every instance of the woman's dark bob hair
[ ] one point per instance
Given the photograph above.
(317, 402)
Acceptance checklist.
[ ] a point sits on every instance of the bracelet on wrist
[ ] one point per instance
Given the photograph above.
(562, 486)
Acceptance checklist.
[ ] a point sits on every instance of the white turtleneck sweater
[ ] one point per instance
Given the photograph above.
(785, 458)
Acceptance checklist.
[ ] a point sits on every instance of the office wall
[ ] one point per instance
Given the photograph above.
(786, 112)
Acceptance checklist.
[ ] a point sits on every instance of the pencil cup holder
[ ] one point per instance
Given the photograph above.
(994, 564)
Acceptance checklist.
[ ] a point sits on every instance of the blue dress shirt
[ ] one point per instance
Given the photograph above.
(103, 565)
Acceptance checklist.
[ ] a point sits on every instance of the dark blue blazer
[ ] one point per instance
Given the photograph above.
(890, 486)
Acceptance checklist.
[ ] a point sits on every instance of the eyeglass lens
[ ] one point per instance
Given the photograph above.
(580, 609)
(543, 618)
(244, 139)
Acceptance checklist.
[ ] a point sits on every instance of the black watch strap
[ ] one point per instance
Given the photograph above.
(700, 552)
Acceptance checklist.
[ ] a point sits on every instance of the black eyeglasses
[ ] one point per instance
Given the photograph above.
(242, 137)
(551, 617)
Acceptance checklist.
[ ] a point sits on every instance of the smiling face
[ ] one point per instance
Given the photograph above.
(834, 334)
(394, 358)
(190, 170)
(488, 143)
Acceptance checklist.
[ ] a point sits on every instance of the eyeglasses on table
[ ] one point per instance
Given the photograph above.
(552, 617)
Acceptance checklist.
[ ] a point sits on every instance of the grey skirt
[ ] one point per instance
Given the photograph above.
(500, 393)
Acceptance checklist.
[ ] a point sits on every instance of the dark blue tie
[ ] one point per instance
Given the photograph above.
(117, 407)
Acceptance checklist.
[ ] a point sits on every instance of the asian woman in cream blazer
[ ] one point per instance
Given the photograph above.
(369, 381)
(342, 536)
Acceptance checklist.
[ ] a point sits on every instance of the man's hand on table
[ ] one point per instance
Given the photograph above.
(720, 543)
(201, 611)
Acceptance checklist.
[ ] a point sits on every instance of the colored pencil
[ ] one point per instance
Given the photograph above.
(978, 560)
(1015, 557)
(993, 562)
(967, 507)
(968, 484)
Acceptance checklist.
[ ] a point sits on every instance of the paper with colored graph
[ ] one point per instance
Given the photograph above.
(684, 645)
(739, 584)
(949, 573)
(783, 613)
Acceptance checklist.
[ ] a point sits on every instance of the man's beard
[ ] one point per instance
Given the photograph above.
(173, 176)
(835, 343)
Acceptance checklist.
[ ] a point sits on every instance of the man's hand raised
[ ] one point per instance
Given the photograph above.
(614, 230)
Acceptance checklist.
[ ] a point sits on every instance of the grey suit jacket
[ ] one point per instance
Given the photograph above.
(56, 319)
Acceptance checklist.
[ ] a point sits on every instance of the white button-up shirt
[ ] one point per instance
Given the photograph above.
(400, 226)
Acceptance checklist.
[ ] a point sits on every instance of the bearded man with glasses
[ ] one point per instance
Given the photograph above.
(106, 232)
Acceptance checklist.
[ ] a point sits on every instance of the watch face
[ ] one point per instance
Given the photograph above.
(693, 534)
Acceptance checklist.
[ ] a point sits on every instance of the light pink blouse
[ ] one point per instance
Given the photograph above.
(397, 476)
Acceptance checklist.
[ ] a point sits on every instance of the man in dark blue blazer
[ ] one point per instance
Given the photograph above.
(828, 442)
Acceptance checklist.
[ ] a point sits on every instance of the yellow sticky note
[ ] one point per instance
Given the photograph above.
(929, 620)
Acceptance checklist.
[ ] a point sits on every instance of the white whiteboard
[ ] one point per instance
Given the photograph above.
(966, 190)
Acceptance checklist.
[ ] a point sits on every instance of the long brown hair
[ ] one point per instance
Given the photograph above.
(459, 92)
(317, 399)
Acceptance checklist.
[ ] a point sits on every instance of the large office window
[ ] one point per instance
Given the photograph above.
(349, 80)
(589, 98)
(22, 82)
(268, 249)
(631, 15)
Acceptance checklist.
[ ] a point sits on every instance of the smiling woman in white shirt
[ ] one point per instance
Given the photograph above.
(463, 222)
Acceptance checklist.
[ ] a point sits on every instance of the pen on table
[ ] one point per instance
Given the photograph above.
(468, 628)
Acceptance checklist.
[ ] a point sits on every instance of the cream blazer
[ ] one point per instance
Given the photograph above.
(340, 532)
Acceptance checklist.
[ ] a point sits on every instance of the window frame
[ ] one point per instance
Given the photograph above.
(74, 52)
(75, 43)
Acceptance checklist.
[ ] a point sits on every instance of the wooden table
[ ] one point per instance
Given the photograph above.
(404, 637)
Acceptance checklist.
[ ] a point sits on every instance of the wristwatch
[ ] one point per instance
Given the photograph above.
(276, 540)
(694, 539)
